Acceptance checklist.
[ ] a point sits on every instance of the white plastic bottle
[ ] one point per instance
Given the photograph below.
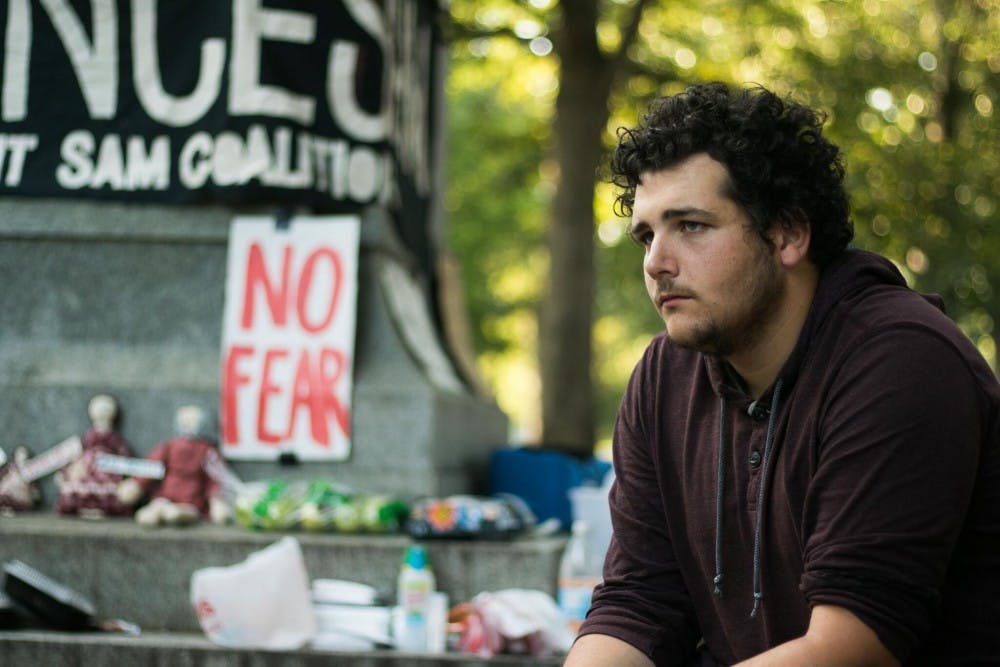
(577, 577)
(415, 586)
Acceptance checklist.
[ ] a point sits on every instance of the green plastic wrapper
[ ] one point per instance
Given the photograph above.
(319, 506)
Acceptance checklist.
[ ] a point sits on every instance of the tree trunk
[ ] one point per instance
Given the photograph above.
(949, 93)
(566, 316)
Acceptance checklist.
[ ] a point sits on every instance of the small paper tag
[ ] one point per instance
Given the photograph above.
(52, 459)
(3, 457)
(124, 465)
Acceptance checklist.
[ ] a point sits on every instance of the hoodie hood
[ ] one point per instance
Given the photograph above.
(848, 277)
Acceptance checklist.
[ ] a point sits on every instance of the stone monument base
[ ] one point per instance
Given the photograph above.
(128, 300)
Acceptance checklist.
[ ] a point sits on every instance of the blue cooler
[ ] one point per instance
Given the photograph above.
(543, 477)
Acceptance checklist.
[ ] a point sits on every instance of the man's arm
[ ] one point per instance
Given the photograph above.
(835, 638)
(602, 650)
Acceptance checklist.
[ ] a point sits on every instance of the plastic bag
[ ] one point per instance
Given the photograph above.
(263, 602)
(269, 504)
(514, 621)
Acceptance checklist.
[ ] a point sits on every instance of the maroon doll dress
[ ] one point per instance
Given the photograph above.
(186, 480)
(16, 495)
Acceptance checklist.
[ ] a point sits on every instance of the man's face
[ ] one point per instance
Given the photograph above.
(713, 280)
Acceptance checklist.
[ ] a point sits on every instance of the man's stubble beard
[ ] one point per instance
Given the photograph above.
(723, 338)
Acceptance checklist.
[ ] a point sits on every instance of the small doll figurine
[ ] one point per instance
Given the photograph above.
(16, 494)
(190, 488)
(83, 489)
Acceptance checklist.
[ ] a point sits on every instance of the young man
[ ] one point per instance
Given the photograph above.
(808, 458)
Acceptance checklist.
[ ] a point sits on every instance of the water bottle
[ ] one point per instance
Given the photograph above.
(577, 576)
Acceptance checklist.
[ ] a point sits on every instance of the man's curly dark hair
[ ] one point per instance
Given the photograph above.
(780, 166)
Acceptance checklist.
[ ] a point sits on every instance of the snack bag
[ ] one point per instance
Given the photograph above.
(465, 516)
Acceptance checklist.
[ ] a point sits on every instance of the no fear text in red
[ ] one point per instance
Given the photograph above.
(295, 375)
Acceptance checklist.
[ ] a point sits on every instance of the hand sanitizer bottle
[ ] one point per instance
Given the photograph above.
(415, 586)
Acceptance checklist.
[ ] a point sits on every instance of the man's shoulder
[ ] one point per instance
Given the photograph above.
(865, 290)
(893, 322)
(887, 308)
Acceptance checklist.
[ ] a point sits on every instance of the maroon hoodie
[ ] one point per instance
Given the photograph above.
(867, 476)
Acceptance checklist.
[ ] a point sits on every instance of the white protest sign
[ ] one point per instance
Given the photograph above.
(288, 338)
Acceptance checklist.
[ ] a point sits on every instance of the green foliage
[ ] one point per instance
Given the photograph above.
(912, 88)
(496, 201)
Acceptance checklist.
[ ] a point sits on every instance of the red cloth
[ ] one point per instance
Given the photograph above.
(185, 478)
(16, 494)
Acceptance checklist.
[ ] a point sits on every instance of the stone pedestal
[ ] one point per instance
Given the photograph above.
(127, 299)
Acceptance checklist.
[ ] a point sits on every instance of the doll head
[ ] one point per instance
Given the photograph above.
(191, 421)
(102, 410)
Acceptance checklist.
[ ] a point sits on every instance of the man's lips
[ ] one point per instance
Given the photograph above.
(670, 299)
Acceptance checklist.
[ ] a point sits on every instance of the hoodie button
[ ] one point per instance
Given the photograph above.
(755, 458)
(757, 411)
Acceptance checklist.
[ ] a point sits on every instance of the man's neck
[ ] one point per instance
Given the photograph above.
(760, 364)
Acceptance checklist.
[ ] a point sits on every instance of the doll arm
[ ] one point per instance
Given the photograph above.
(219, 511)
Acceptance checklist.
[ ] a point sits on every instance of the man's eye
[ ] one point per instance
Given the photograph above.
(691, 226)
(643, 238)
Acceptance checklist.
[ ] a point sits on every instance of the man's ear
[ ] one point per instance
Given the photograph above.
(792, 235)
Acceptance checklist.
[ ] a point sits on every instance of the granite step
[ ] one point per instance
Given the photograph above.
(60, 649)
(142, 576)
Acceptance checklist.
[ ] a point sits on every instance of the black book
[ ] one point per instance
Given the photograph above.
(50, 601)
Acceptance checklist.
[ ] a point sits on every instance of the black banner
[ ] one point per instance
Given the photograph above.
(319, 103)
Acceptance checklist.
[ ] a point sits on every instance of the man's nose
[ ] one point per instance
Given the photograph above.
(660, 258)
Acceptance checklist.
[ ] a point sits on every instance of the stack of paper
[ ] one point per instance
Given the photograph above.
(349, 616)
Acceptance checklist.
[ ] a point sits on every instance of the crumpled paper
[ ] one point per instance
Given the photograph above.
(511, 621)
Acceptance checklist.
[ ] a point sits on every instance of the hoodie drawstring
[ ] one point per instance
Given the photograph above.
(768, 439)
(720, 487)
